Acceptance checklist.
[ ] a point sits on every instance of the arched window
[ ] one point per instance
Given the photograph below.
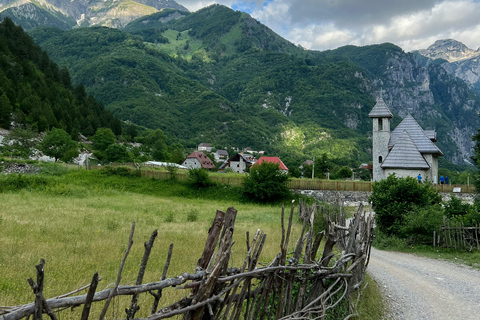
(380, 124)
(380, 159)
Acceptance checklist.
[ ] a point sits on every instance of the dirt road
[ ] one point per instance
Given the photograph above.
(421, 288)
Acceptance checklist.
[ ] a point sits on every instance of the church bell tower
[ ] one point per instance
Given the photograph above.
(381, 117)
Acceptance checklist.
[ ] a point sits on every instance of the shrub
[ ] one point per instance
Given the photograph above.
(266, 183)
(169, 217)
(393, 198)
(199, 178)
(192, 215)
(419, 224)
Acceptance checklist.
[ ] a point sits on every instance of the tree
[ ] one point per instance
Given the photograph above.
(343, 173)
(5, 111)
(118, 153)
(393, 198)
(103, 138)
(322, 165)
(266, 183)
(57, 143)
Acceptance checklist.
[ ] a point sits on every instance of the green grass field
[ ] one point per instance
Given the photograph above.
(79, 223)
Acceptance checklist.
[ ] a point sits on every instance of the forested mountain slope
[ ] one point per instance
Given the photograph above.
(34, 91)
(219, 76)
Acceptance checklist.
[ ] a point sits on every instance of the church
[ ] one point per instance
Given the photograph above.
(407, 151)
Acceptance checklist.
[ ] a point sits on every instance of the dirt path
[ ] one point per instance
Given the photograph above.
(421, 288)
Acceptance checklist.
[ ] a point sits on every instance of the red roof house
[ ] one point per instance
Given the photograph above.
(274, 160)
(198, 159)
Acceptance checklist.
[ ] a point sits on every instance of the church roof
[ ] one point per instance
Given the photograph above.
(380, 110)
(423, 142)
(405, 155)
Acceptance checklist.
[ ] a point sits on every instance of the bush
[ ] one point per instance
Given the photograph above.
(199, 178)
(192, 215)
(419, 225)
(266, 183)
(393, 198)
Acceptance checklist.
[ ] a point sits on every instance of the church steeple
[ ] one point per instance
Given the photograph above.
(381, 116)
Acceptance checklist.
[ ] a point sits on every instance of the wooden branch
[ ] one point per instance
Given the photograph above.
(89, 300)
(119, 275)
(158, 295)
(143, 266)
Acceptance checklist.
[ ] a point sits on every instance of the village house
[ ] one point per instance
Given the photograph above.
(204, 147)
(282, 166)
(198, 159)
(407, 151)
(220, 155)
(238, 163)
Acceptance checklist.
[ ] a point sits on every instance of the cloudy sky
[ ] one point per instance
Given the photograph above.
(329, 24)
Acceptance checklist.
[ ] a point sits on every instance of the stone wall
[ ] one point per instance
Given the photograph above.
(354, 198)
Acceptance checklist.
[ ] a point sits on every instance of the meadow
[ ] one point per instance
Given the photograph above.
(79, 223)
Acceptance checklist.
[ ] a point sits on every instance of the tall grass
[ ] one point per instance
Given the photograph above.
(79, 223)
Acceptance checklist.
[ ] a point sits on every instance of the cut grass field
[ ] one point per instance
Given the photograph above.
(79, 223)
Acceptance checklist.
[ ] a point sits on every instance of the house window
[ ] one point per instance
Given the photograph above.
(380, 124)
(380, 159)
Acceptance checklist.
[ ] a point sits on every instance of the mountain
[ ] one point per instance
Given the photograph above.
(35, 92)
(219, 76)
(450, 50)
(68, 14)
(456, 58)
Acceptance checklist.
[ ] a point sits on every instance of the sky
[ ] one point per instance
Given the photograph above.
(329, 24)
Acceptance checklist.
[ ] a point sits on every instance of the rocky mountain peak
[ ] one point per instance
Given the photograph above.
(450, 50)
(61, 13)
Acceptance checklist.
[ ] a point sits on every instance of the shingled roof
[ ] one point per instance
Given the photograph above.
(423, 142)
(205, 161)
(405, 155)
(380, 110)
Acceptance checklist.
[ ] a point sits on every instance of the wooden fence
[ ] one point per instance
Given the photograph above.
(299, 283)
(455, 235)
(297, 184)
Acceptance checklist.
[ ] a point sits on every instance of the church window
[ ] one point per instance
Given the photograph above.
(380, 124)
(380, 159)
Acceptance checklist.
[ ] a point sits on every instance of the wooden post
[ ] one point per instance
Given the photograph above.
(90, 294)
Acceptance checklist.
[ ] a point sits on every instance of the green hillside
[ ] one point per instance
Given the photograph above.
(34, 91)
(258, 98)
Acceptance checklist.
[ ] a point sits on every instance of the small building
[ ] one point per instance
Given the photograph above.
(307, 163)
(273, 160)
(198, 159)
(159, 164)
(221, 155)
(238, 163)
(407, 151)
(204, 147)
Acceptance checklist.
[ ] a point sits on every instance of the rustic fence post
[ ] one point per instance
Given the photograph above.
(90, 294)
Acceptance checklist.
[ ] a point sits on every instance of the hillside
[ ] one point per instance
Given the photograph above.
(34, 91)
(219, 76)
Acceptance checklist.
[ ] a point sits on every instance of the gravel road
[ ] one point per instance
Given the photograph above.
(421, 288)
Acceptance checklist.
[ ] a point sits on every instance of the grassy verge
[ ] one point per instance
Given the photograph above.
(370, 304)
(469, 258)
